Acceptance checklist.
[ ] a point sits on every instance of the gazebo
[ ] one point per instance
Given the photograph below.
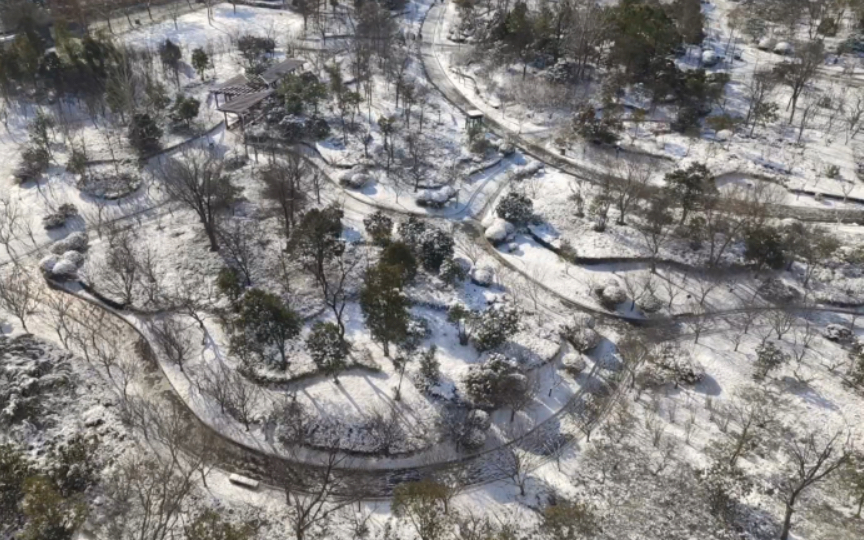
(241, 105)
(475, 119)
(237, 86)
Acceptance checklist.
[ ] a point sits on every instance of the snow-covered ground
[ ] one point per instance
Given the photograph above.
(642, 470)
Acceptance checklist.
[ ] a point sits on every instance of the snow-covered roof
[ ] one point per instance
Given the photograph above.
(276, 72)
(245, 102)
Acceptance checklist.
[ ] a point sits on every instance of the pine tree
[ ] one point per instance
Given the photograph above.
(385, 305)
(328, 348)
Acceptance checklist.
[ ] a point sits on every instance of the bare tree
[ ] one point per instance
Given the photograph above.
(633, 177)
(243, 398)
(13, 225)
(196, 180)
(310, 491)
(284, 185)
(169, 334)
(20, 294)
(781, 321)
(119, 272)
(853, 112)
(760, 90)
(58, 313)
(145, 499)
(797, 73)
(239, 240)
(516, 465)
(753, 412)
(214, 382)
(811, 459)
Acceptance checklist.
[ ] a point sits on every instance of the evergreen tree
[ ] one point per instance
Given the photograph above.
(764, 246)
(688, 187)
(200, 61)
(328, 348)
(14, 471)
(185, 109)
(379, 226)
(265, 324)
(144, 134)
(385, 305)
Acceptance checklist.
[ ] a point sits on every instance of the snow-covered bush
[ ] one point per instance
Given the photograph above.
(57, 219)
(582, 339)
(436, 198)
(64, 269)
(775, 290)
(477, 423)
(581, 320)
(768, 358)
(521, 172)
(436, 246)
(482, 275)
(235, 161)
(110, 186)
(671, 364)
(611, 295)
(474, 439)
(412, 230)
(574, 364)
(649, 303)
(453, 271)
(479, 419)
(506, 148)
(515, 208)
(74, 257)
(485, 383)
(499, 231)
(355, 179)
(837, 333)
(77, 241)
(495, 325)
(379, 227)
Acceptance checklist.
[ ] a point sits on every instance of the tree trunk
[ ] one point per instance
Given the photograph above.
(787, 521)
(211, 236)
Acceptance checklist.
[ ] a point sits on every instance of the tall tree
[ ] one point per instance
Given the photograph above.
(798, 72)
(811, 459)
(196, 179)
(385, 305)
(283, 184)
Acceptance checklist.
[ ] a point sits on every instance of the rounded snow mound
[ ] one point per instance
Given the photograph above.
(482, 276)
(709, 58)
(77, 241)
(436, 198)
(354, 179)
(574, 363)
(783, 48)
(499, 231)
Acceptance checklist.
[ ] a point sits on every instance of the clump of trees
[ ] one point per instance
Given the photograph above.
(431, 245)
